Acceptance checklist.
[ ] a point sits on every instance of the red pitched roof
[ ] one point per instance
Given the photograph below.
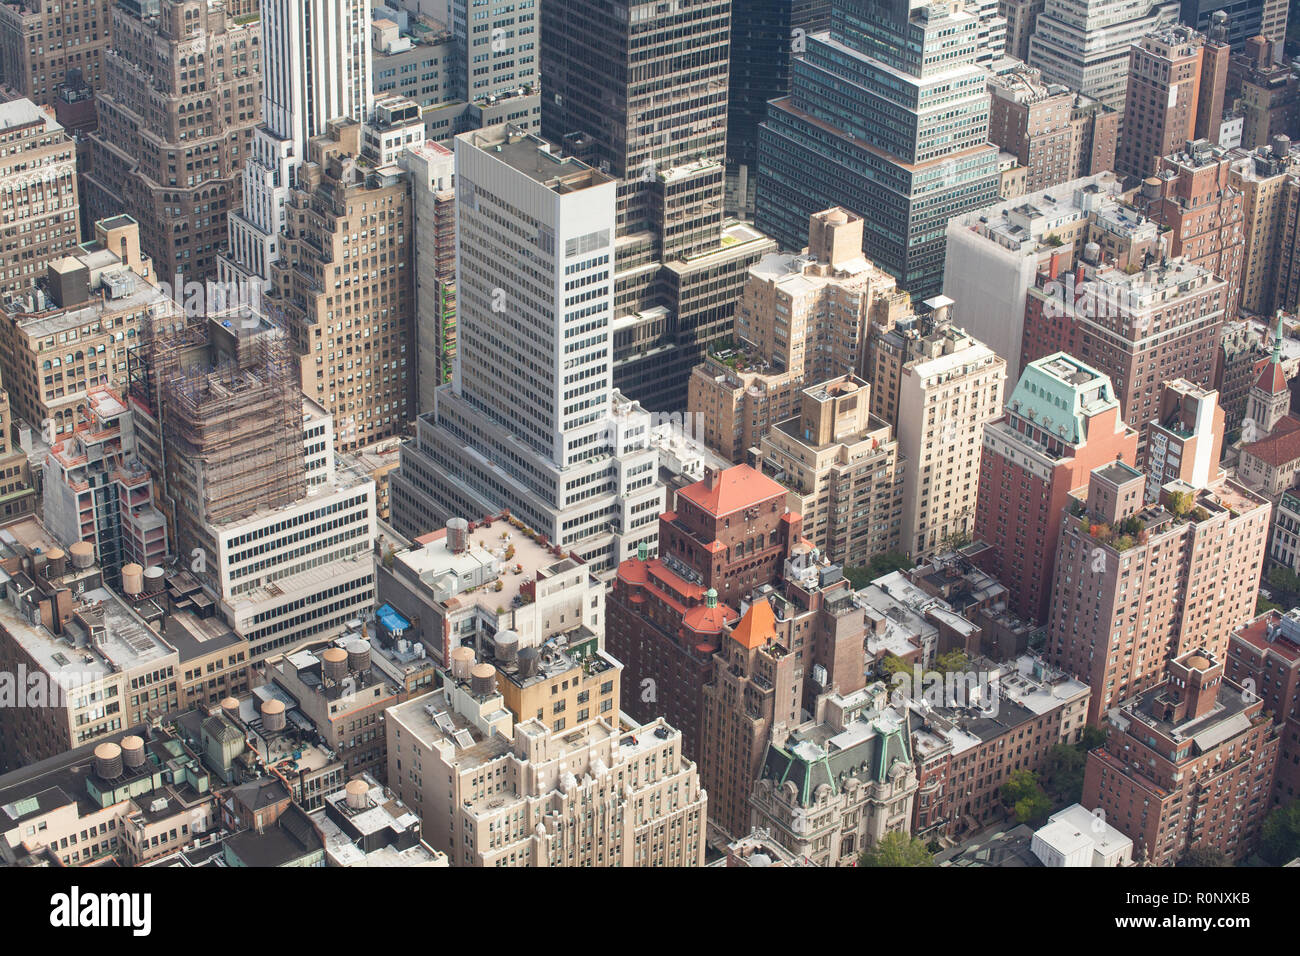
(1271, 379)
(734, 489)
(1280, 446)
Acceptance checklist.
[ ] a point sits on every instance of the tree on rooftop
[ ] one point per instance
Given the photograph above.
(1180, 502)
(953, 662)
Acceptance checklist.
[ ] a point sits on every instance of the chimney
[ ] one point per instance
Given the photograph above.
(712, 477)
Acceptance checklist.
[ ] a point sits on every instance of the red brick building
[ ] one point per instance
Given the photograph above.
(667, 616)
(1137, 585)
(1205, 215)
(1187, 764)
(1062, 421)
(1140, 328)
(1264, 659)
(754, 688)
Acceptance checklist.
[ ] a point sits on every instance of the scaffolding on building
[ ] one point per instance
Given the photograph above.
(226, 396)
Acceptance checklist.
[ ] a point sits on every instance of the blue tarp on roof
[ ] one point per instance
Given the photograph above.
(391, 620)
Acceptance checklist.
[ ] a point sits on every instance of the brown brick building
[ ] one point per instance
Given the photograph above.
(1137, 585)
(1107, 316)
(1187, 764)
(173, 134)
(1175, 95)
(1264, 660)
(1193, 198)
(666, 616)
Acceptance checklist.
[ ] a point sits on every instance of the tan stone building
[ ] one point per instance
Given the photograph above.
(946, 394)
(38, 189)
(41, 40)
(801, 319)
(73, 332)
(348, 302)
(495, 791)
(1261, 178)
(842, 468)
(835, 786)
(180, 98)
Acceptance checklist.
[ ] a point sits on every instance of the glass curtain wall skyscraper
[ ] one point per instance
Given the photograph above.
(888, 117)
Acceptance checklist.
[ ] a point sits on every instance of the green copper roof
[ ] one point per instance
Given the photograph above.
(1058, 393)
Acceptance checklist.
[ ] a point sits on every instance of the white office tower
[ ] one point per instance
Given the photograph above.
(992, 31)
(1084, 44)
(531, 421)
(315, 68)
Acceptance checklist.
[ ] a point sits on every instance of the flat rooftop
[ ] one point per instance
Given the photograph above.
(533, 157)
(472, 747)
(72, 658)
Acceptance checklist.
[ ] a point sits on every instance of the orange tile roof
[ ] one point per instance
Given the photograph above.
(708, 620)
(1280, 446)
(757, 627)
(735, 488)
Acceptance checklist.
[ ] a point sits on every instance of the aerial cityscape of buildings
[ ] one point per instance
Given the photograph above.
(758, 433)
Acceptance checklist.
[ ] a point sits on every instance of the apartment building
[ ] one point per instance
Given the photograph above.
(1192, 197)
(1261, 177)
(338, 689)
(1136, 585)
(173, 130)
(73, 331)
(42, 43)
(834, 786)
(1264, 661)
(1269, 93)
(1056, 134)
(842, 468)
(753, 693)
(96, 665)
(1175, 95)
(800, 320)
(995, 253)
(97, 489)
(1062, 420)
(38, 187)
(129, 800)
(492, 789)
(964, 755)
(1140, 328)
(667, 615)
(1187, 764)
(469, 582)
(946, 396)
